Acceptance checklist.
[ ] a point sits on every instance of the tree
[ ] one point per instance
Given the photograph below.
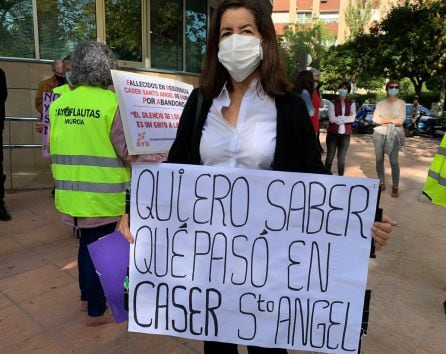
(349, 62)
(299, 39)
(16, 29)
(357, 16)
(410, 42)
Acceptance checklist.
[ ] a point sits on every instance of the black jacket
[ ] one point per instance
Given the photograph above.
(296, 145)
(3, 96)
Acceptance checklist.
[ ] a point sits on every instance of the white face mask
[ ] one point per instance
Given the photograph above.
(240, 55)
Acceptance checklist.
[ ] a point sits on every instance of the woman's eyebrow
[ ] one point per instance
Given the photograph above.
(248, 25)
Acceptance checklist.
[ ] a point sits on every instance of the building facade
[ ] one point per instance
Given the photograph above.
(330, 12)
(156, 37)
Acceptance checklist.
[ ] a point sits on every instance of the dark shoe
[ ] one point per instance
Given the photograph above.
(99, 320)
(4, 215)
(382, 187)
(395, 193)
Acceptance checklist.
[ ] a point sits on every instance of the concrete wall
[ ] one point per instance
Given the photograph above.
(24, 167)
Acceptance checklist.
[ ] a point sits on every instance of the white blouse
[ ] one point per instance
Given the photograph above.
(251, 144)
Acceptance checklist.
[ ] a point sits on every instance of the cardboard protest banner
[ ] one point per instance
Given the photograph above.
(48, 98)
(266, 258)
(110, 256)
(150, 108)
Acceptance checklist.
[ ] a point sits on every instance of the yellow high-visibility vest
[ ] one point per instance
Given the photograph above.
(435, 186)
(90, 179)
(62, 89)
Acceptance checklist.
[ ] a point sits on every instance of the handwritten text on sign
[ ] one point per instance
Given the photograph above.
(48, 98)
(267, 258)
(150, 109)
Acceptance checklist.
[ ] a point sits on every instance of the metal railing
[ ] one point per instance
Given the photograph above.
(11, 146)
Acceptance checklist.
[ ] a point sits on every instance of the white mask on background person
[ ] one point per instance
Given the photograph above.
(240, 55)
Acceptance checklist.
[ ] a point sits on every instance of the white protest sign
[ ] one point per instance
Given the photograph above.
(150, 109)
(264, 258)
(47, 99)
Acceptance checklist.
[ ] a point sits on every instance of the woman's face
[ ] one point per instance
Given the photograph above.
(239, 21)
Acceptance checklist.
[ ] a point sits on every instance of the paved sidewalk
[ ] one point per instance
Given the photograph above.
(39, 302)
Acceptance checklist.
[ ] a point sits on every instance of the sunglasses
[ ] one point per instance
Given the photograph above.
(393, 86)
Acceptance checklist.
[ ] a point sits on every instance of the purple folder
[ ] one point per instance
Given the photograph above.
(110, 255)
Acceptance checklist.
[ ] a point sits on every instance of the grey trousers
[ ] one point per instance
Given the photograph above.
(379, 141)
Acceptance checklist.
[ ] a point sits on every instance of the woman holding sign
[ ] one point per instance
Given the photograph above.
(244, 114)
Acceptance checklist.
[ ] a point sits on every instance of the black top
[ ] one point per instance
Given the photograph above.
(3, 96)
(296, 149)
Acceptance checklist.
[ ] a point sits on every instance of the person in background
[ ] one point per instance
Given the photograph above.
(318, 102)
(48, 85)
(247, 98)
(435, 186)
(67, 72)
(389, 114)
(4, 215)
(304, 86)
(90, 176)
(341, 115)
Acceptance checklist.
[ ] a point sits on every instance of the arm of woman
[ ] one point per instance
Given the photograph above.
(350, 118)
(332, 115)
(181, 148)
(306, 97)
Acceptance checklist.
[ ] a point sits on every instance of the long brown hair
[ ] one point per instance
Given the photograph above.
(272, 73)
(304, 81)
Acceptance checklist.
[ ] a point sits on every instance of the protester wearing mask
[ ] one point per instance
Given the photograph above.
(341, 115)
(88, 164)
(67, 71)
(388, 136)
(248, 118)
(48, 85)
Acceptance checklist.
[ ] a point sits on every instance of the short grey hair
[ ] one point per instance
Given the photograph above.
(91, 63)
(315, 72)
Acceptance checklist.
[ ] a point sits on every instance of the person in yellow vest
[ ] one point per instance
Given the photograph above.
(435, 186)
(90, 177)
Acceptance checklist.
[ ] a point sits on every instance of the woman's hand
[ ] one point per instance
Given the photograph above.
(125, 228)
(381, 232)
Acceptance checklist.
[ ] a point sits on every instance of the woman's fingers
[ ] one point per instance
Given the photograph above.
(125, 229)
(381, 232)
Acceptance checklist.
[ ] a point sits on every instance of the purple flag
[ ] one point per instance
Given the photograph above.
(110, 255)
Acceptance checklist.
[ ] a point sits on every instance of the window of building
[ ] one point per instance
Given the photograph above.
(329, 17)
(16, 29)
(123, 28)
(304, 17)
(195, 34)
(156, 34)
(166, 34)
(64, 24)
